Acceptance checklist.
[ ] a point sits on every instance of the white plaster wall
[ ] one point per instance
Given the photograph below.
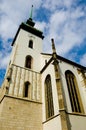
(21, 49)
(54, 124)
(77, 122)
(44, 58)
(50, 70)
(83, 87)
(63, 67)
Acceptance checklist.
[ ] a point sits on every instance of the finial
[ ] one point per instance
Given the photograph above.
(30, 21)
(53, 46)
(54, 54)
(31, 12)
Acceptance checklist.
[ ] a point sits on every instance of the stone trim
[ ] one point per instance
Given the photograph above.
(25, 68)
(8, 96)
(51, 118)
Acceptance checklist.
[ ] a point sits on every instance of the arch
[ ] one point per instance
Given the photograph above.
(28, 62)
(30, 45)
(48, 97)
(26, 89)
(73, 91)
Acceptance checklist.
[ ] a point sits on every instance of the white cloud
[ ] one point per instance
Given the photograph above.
(54, 4)
(77, 13)
(13, 13)
(83, 60)
(67, 28)
(4, 61)
(7, 29)
(40, 25)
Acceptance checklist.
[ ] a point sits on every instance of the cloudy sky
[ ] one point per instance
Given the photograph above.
(63, 20)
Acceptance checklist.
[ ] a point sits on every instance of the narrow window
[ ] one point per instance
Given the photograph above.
(26, 89)
(28, 62)
(30, 44)
(48, 97)
(74, 95)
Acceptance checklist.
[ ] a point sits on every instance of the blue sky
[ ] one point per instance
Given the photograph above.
(63, 20)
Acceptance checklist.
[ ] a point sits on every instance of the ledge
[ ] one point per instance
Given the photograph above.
(19, 98)
(74, 114)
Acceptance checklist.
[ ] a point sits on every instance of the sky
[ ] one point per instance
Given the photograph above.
(63, 20)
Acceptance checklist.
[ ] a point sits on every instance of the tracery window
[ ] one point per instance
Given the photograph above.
(30, 44)
(48, 97)
(28, 62)
(26, 89)
(74, 94)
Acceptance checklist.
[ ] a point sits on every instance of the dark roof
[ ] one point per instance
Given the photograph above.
(30, 29)
(71, 62)
(63, 59)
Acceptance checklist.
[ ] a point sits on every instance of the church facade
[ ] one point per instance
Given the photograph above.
(41, 91)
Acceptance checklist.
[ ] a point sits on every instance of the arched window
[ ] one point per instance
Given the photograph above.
(74, 95)
(30, 44)
(28, 62)
(26, 89)
(48, 97)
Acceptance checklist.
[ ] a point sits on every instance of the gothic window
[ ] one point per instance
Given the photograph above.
(28, 62)
(74, 95)
(26, 89)
(48, 97)
(30, 44)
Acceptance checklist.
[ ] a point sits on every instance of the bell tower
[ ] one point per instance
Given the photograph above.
(25, 58)
(21, 89)
(27, 46)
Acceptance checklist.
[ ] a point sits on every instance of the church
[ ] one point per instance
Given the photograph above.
(41, 91)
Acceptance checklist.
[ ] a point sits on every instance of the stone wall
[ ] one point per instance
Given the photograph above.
(20, 114)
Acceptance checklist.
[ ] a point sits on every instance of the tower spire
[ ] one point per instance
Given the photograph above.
(31, 13)
(30, 20)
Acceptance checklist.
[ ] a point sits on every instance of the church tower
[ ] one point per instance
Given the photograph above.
(25, 59)
(21, 89)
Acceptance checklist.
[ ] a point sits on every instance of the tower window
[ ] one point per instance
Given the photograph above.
(30, 44)
(48, 97)
(26, 89)
(28, 62)
(74, 95)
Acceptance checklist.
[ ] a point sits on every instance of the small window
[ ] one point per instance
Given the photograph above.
(28, 62)
(26, 89)
(30, 44)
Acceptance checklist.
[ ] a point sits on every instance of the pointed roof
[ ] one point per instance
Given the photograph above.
(64, 60)
(56, 58)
